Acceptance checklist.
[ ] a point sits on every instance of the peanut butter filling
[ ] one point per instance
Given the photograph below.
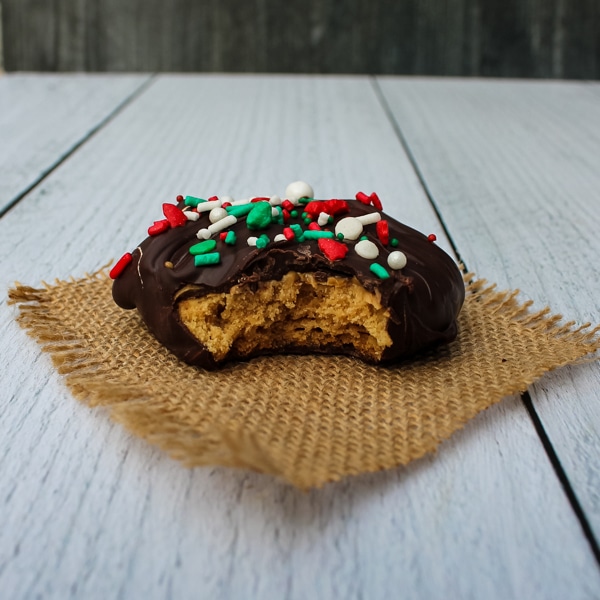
(297, 311)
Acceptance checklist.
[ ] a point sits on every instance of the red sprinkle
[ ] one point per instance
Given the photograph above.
(289, 233)
(260, 199)
(225, 204)
(179, 198)
(383, 231)
(287, 205)
(286, 215)
(314, 226)
(375, 201)
(362, 197)
(332, 249)
(432, 237)
(174, 215)
(223, 235)
(213, 198)
(120, 265)
(158, 227)
(331, 207)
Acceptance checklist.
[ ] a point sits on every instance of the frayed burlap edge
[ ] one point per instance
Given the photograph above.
(237, 437)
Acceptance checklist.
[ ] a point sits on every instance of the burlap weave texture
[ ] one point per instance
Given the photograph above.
(307, 419)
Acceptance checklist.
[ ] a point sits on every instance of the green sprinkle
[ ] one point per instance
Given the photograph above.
(305, 200)
(213, 258)
(191, 201)
(330, 220)
(304, 215)
(279, 217)
(294, 213)
(363, 238)
(239, 210)
(203, 247)
(307, 221)
(230, 238)
(380, 271)
(394, 242)
(260, 216)
(340, 236)
(315, 235)
(297, 229)
(262, 241)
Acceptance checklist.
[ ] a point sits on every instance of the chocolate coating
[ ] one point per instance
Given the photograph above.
(423, 298)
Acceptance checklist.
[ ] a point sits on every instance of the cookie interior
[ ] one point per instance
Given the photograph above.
(295, 312)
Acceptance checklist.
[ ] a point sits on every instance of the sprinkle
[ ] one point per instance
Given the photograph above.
(213, 258)
(259, 217)
(305, 200)
(158, 227)
(340, 236)
(332, 250)
(280, 237)
(375, 201)
(168, 264)
(304, 215)
(213, 198)
(294, 213)
(226, 199)
(369, 218)
(350, 227)
(239, 210)
(307, 220)
(362, 197)
(367, 249)
(289, 234)
(222, 224)
(203, 247)
(297, 229)
(192, 201)
(397, 260)
(262, 241)
(383, 231)
(380, 271)
(394, 242)
(286, 216)
(230, 238)
(241, 202)
(287, 205)
(222, 235)
(191, 215)
(120, 265)
(252, 240)
(216, 214)
(174, 215)
(298, 190)
(259, 199)
(179, 198)
(275, 201)
(275, 213)
(313, 226)
(208, 206)
(363, 238)
(323, 219)
(203, 234)
(315, 235)
(431, 237)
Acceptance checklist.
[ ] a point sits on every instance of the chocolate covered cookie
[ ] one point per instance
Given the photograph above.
(220, 280)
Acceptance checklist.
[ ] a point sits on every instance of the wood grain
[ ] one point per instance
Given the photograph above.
(42, 119)
(88, 511)
(514, 170)
(497, 38)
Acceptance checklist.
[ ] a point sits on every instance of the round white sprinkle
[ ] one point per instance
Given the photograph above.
(275, 200)
(396, 260)
(369, 218)
(252, 241)
(367, 249)
(203, 234)
(279, 238)
(323, 219)
(297, 190)
(191, 216)
(216, 214)
(349, 227)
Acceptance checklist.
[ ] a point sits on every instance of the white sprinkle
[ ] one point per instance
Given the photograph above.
(367, 249)
(240, 202)
(203, 234)
(275, 200)
(349, 227)
(279, 238)
(226, 199)
(228, 221)
(369, 218)
(397, 260)
(216, 214)
(191, 215)
(274, 212)
(297, 190)
(252, 241)
(323, 219)
(206, 206)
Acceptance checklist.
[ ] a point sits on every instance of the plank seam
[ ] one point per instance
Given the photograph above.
(85, 138)
(525, 397)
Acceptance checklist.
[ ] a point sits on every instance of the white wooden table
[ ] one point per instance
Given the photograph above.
(508, 508)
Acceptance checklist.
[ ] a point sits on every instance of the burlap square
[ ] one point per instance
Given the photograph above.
(308, 420)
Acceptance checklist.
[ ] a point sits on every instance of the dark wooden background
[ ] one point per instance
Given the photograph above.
(503, 38)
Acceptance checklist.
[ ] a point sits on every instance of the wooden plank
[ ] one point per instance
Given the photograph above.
(514, 170)
(497, 38)
(43, 118)
(89, 511)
